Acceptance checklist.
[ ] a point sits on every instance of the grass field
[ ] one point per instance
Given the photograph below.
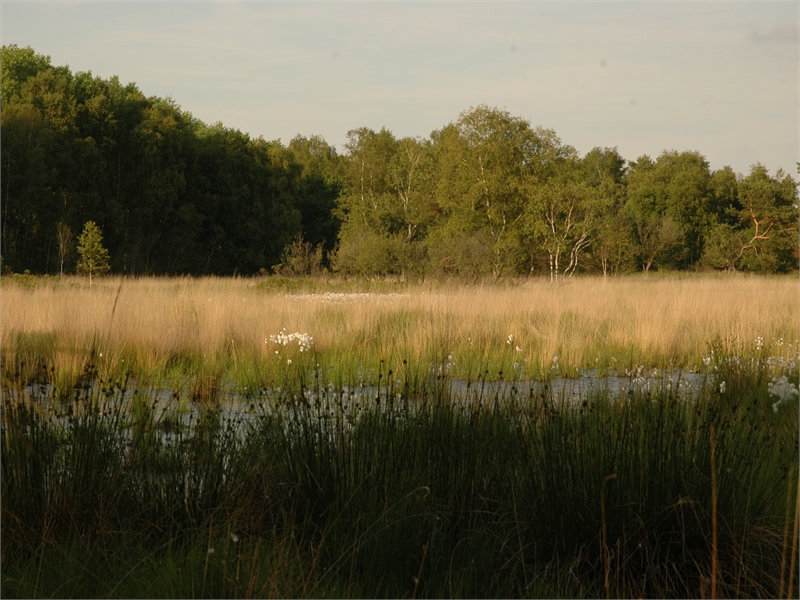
(178, 329)
(308, 492)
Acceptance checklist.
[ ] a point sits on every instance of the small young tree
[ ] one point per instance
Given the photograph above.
(300, 258)
(94, 257)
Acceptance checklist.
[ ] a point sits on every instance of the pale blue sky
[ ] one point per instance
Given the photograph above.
(720, 78)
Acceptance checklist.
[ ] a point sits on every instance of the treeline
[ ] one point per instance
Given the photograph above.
(170, 193)
(487, 195)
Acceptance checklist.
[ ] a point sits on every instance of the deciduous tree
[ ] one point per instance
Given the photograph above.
(94, 256)
(64, 238)
(560, 215)
(769, 218)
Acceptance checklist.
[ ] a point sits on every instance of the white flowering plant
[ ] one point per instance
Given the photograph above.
(303, 340)
(783, 389)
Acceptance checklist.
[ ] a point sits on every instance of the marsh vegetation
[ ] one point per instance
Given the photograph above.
(182, 437)
(173, 332)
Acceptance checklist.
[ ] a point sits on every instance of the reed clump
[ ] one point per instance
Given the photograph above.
(400, 489)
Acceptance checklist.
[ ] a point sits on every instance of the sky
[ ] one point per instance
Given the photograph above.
(716, 77)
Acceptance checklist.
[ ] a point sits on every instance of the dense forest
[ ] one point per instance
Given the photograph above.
(486, 195)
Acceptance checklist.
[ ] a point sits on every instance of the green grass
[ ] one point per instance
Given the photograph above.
(178, 333)
(316, 494)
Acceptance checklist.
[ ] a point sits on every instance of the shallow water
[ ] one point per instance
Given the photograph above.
(334, 407)
(568, 389)
(576, 389)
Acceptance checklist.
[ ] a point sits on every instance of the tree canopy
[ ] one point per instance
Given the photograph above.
(489, 194)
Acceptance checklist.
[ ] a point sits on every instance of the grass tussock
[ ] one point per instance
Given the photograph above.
(174, 329)
(401, 492)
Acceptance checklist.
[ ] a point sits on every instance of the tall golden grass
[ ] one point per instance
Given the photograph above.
(667, 321)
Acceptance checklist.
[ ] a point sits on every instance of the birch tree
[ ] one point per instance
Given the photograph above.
(560, 217)
(497, 156)
(64, 238)
(94, 257)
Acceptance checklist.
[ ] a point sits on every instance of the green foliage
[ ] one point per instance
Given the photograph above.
(178, 196)
(757, 226)
(318, 492)
(560, 219)
(668, 201)
(490, 160)
(601, 165)
(724, 202)
(300, 258)
(368, 254)
(17, 65)
(322, 184)
(174, 195)
(387, 204)
(94, 257)
(723, 248)
(769, 218)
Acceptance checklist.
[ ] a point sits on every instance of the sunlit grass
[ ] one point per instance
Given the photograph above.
(127, 452)
(174, 329)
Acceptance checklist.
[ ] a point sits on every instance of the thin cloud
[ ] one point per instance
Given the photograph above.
(270, 68)
(781, 34)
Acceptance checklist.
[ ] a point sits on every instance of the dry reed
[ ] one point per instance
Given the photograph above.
(655, 321)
